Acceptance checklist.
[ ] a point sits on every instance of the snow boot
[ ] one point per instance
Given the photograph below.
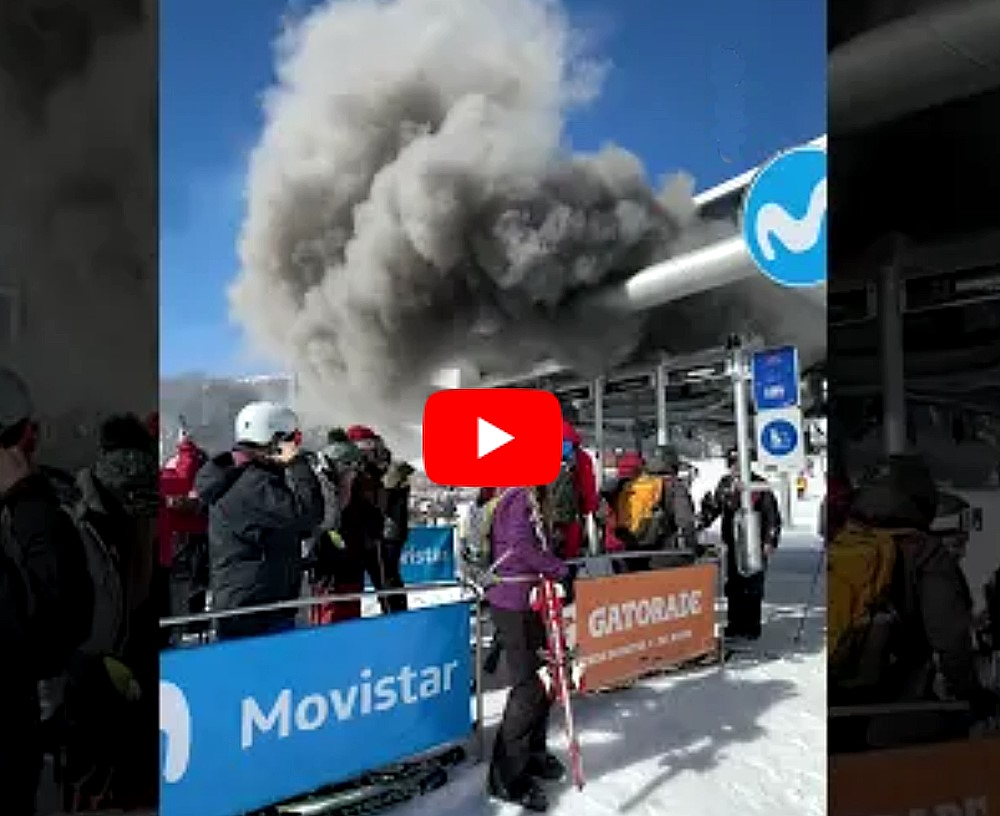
(528, 795)
(547, 768)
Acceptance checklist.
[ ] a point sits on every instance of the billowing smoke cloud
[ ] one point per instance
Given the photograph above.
(412, 203)
(78, 212)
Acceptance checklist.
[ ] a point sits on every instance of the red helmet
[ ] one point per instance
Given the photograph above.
(357, 433)
(629, 465)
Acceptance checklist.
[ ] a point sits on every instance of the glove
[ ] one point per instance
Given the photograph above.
(567, 584)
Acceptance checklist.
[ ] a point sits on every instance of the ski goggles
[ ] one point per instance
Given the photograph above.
(11, 435)
(295, 437)
(567, 450)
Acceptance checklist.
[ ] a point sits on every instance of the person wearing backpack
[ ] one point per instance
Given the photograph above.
(120, 499)
(263, 501)
(573, 497)
(744, 593)
(118, 514)
(678, 523)
(363, 527)
(333, 568)
(900, 612)
(47, 595)
(654, 509)
(477, 557)
(519, 549)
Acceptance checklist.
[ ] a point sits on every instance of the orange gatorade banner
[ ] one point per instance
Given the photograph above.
(951, 779)
(628, 625)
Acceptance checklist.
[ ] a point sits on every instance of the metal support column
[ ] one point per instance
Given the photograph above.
(599, 426)
(789, 491)
(749, 555)
(890, 315)
(593, 543)
(481, 751)
(661, 404)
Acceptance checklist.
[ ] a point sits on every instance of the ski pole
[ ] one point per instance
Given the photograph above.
(807, 606)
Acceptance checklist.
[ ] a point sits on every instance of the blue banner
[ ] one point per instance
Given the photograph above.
(775, 378)
(428, 556)
(249, 723)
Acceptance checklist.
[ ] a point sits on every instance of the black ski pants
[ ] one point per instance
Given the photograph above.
(744, 597)
(382, 563)
(525, 724)
(20, 748)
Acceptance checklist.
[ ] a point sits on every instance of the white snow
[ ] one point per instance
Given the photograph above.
(747, 739)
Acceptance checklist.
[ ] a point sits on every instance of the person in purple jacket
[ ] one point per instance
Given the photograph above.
(521, 554)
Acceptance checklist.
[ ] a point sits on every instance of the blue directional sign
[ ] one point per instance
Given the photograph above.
(775, 378)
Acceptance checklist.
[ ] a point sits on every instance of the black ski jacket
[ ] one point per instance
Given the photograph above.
(258, 515)
(42, 543)
(726, 503)
(397, 514)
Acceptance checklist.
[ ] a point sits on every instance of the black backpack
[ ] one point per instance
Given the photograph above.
(563, 500)
(66, 625)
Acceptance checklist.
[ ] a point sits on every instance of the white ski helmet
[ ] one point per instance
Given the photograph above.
(15, 402)
(264, 423)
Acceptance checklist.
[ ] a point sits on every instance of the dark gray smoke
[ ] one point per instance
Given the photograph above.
(411, 203)
(78, 212)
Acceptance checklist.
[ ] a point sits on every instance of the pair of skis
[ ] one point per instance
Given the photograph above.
(547, 601)
(378, 791)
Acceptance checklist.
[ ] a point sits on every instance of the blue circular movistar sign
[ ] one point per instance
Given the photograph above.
(779, 437)
(784, 217)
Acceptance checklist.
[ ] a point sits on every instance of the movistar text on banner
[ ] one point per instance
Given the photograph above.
(429, 556)
(249, 723)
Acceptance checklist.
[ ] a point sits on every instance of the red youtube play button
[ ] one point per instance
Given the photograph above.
(492, 437)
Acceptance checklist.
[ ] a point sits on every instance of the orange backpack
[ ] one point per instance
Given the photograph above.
(638, 503)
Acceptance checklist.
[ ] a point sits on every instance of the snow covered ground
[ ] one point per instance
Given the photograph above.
(747, 739)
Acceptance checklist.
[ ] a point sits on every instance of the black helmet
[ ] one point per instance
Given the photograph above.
(665, 461)
(899, 492)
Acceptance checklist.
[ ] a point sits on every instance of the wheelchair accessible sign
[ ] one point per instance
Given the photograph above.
(784, 217)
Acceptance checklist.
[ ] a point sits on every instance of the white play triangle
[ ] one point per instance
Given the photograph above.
(489, 437)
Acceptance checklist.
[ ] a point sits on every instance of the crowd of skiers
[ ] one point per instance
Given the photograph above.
(77, 612)
(256, 525)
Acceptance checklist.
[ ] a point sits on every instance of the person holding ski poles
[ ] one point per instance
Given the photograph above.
(520, 554)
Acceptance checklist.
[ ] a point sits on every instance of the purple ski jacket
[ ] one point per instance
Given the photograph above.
(524, 557)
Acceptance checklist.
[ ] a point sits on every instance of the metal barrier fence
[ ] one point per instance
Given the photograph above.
(271, 713)
(470, 594)
(319, 600)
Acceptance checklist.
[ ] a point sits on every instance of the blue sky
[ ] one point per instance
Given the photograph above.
(712, 87)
